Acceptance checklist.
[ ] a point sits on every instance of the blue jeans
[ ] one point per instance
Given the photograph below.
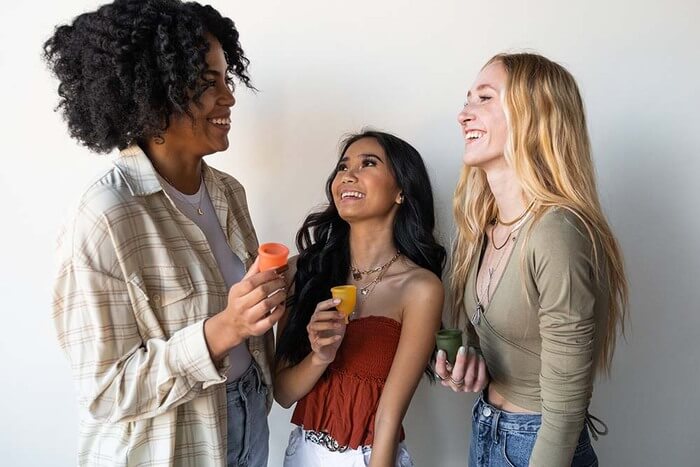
(506, 439)
(248, 433)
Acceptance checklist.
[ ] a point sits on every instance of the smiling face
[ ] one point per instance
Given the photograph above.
(364, 186)
(208, 132)
(483, 120)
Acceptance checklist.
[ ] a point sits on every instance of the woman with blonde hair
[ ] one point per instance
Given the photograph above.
(537, 274)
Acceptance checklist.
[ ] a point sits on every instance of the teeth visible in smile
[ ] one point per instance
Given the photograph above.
(473, 135)
(352, 194)
(220, 121)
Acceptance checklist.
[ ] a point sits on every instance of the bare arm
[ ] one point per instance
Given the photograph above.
(326, 330)
(421, 319)
(294, 382)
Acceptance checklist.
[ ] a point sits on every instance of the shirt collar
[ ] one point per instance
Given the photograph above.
(141, 176)
(137, 170)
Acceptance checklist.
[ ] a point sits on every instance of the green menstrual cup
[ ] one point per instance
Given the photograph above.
(449, 340)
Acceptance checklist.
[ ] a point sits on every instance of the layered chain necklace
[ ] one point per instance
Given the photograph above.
(367, 289)
(475, 318)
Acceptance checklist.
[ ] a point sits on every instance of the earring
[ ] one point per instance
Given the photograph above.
(400, 201)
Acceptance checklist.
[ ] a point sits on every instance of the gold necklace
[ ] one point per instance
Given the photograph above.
(366, 290)
(357, 274)
(517, 219)
(198, 206)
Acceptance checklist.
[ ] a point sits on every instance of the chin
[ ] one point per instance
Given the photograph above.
(477, 160)
(349, 215)
(218, 147)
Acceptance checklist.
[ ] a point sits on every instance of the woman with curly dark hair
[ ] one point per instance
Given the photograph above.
(153, 305)
(352, 381)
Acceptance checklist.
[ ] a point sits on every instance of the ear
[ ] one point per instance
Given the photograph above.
(399, 198)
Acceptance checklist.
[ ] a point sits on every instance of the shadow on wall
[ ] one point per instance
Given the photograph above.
(438, 426)
(648, 194)
(649, 198)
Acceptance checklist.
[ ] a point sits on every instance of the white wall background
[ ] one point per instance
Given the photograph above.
(328, 67)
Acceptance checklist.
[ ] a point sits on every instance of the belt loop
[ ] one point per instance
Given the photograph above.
(258, 377)
(494, 426)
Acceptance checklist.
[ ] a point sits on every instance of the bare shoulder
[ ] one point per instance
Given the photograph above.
(420, 285)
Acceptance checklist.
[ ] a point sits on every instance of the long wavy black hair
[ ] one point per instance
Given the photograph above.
(125, 68)
(324, 247)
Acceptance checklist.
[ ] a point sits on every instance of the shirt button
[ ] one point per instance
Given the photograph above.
(156, 298)
(486, 412)
(256, 353)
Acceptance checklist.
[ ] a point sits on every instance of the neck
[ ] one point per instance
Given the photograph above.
(507, 191)
(181, 169)
(371, 244)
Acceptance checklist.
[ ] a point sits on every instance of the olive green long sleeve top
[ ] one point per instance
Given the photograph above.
(541, 332)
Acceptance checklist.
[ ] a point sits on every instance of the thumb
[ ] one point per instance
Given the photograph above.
(254, 269)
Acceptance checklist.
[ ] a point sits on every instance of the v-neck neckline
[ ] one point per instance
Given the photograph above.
(475, 283)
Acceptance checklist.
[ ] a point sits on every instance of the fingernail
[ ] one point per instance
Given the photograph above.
(336, 301)
(441, 354)
(462, 350)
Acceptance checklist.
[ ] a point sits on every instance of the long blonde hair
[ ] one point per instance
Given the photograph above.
(549, 150)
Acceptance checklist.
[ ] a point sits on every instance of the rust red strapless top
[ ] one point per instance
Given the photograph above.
(343, 402)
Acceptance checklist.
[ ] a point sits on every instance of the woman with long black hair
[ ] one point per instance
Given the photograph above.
(353, 382)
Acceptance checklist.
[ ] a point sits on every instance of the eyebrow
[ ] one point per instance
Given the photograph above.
(210, 71)
(345, 158)
(482, 86)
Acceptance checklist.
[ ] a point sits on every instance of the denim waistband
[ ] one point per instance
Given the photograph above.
(251, 378)
(485, 413)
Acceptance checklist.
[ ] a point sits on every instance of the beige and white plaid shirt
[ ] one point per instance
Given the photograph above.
(136, 281)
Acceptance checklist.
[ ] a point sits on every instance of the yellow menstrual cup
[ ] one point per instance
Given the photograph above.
(347, 294)
(272, 256)
(449, 340)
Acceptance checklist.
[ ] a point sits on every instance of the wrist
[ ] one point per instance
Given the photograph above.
(318, 361)
(221, 335)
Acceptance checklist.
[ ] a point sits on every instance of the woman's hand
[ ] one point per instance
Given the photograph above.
(255, 303)
(469, 373)
(326, 330)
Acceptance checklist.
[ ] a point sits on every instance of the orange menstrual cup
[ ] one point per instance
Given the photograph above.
(347, 294)
(449, 340)
(272, 256)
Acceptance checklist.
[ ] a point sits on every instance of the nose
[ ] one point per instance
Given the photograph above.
(465, 116)
(349, 176)
(226, 97)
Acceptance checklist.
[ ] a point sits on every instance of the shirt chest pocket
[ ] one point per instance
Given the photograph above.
(164, 298)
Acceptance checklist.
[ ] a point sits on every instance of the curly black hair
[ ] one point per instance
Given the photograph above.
(125, 68)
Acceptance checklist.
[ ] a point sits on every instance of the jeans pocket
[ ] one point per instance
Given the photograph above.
(293, 444)
(585, 456)
(517, 448)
